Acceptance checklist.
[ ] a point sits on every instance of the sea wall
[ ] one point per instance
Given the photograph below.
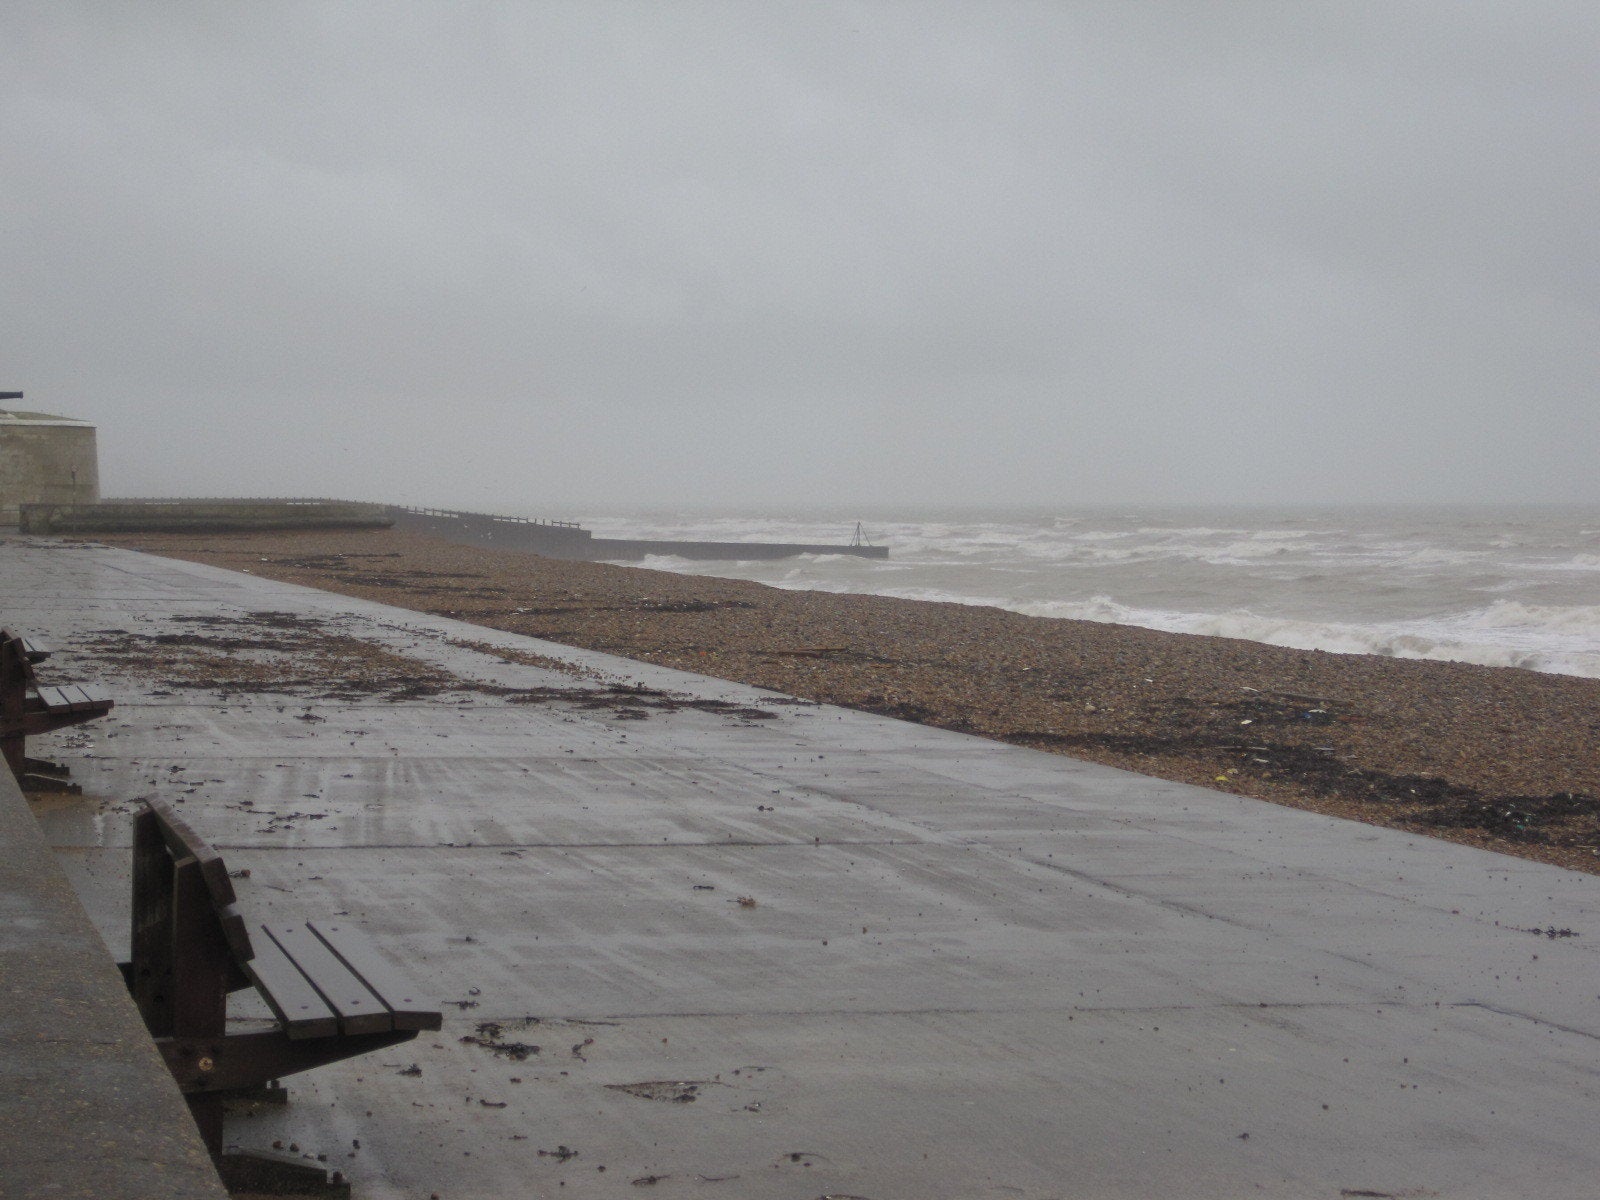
(565, 539)
(200, 516)
(553, 539)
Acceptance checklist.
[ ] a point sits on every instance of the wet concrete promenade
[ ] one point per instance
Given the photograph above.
(768, 949)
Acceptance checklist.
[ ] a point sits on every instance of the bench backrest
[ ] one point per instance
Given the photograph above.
(18, 654)
(188, 943)
(182, 842)
(16, 669)
(16, 676)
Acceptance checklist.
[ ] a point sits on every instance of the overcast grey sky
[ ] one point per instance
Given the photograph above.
(582, 255)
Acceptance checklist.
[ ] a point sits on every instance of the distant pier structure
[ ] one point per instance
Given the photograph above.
(44, 459)
(567, 539)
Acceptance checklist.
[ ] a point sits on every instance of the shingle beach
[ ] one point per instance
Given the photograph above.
(1495, 757)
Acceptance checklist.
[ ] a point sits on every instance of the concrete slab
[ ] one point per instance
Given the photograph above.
(825, 953)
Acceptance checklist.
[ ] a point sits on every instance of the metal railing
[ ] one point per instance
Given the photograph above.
(455, 513)
(236, 500)
(418, 510)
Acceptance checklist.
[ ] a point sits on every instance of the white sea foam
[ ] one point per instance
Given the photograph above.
(1583, 620)
(656, 562)
(1510, 588)
(1578, 562)
(1539, 642)
(1533, 647)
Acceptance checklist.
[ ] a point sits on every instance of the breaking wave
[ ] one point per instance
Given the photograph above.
(1496, 587)
(1505, 634)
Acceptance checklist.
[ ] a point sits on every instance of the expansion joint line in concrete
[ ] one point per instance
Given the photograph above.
(1529, 1017)
(1121, 889)
(1241, 1006)
(341, 847)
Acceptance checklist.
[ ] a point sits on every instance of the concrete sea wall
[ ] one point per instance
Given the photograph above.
(554, 539)
(565, 539)
(200, 516)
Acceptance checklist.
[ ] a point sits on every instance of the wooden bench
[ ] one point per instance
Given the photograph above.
(332, 993)
(27, 707)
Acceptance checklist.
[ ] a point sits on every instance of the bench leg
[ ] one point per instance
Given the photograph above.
(13, 706)
(13, 746)
(42, 775)
(182, 980)
(211, 1070)
(206, 1109)
(271, 1094)
(266, 1174)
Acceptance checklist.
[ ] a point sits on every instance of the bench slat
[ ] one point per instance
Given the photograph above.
(398, 994)
(93, 695)
(293, 1001)
(358, 1010)
(35, 649)
(54, 699)
(69, 698)
(183, 841)
(81, 700)
(236, 932)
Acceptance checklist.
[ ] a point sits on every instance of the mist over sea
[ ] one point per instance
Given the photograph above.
(1514, 586)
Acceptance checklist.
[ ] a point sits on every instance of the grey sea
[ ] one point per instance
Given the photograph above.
(1511, 586)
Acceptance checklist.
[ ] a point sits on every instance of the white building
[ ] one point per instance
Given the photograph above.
(45, 459)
